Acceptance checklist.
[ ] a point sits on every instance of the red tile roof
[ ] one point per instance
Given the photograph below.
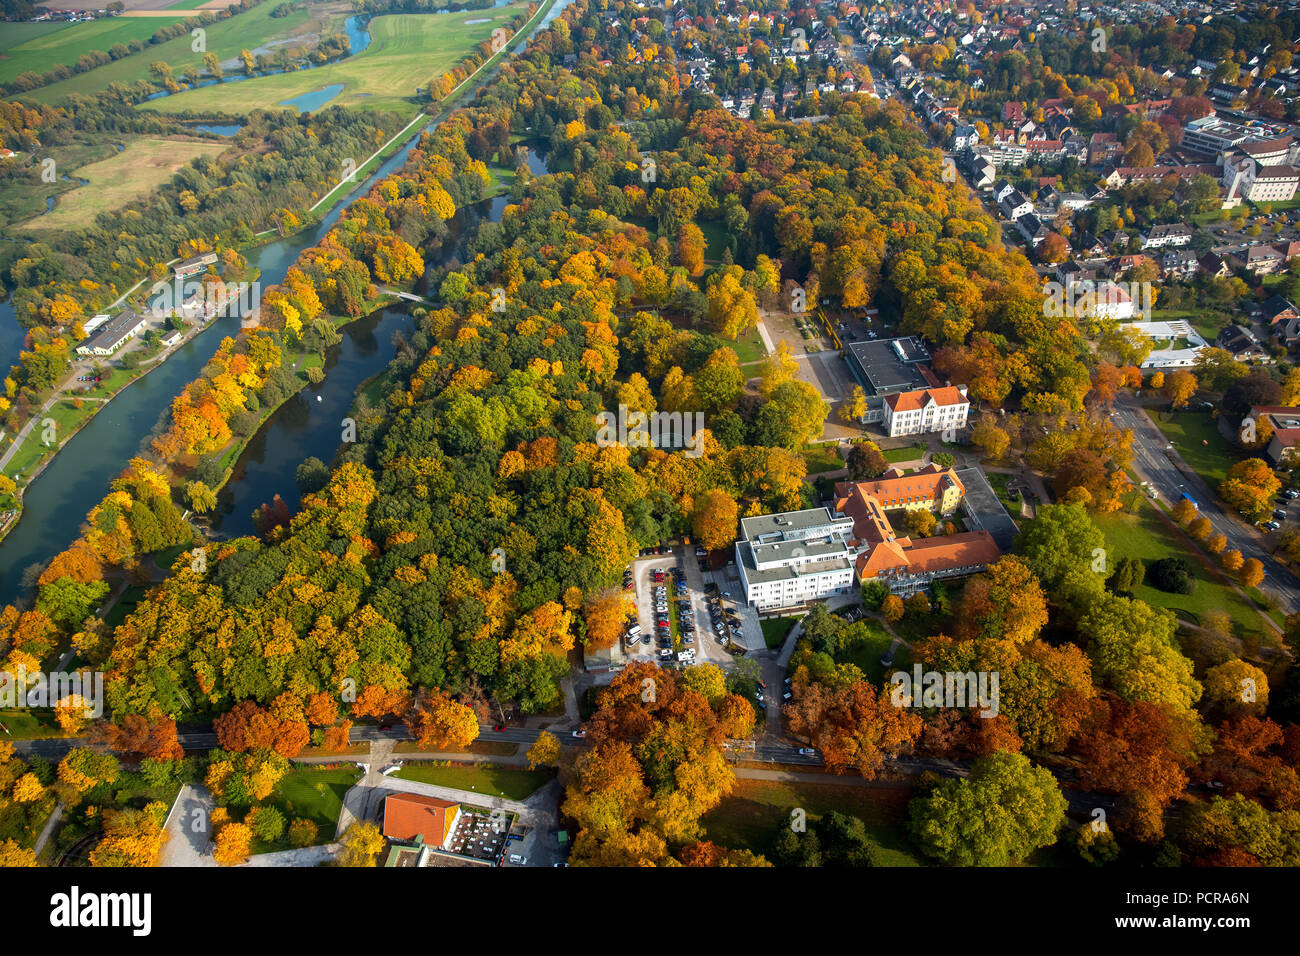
(408, 815)
(918, 398)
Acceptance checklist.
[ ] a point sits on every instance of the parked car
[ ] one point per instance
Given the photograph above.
(807, 752)
(518, 860)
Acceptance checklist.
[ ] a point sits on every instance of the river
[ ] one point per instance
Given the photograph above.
(55, 505)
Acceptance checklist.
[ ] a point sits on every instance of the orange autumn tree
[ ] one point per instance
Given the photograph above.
(439, 723)
(606, 614)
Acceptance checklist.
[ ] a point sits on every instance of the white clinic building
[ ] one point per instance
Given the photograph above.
(790, 559)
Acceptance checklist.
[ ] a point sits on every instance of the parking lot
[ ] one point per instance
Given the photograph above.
(703, 639)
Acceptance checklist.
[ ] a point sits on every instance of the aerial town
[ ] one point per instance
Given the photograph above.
(587, 433)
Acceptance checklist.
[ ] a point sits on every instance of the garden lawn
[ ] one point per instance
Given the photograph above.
(315, 794)
(867, 652)
(1149, 537)
(1195, 435)
(777, 629)
(752, 815)
(909, 453)
(508, 782)
(822, 456)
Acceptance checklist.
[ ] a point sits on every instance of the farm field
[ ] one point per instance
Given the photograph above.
(145, 164)
(406, 52)
(254, 30)
(61, 44)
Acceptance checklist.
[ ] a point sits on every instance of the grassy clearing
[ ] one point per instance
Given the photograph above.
(62, 44)
(1147, 536)
(252, 30)
(752, 815)
(67, 418)
(406, 52)
(1195, 436)
(749, 347)
(508, 782)
(867, 652)
(145, 164)
(29, 724)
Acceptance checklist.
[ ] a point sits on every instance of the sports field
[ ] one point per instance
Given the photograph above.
(406, 52)
(145, 164)
(61, 44)
(255, 30)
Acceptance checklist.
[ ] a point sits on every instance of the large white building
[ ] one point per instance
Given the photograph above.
(791, 558)
(926, 410)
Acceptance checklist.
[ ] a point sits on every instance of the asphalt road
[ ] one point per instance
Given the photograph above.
(1171, 477)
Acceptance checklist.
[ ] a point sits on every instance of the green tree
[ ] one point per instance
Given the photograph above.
(1006, 810)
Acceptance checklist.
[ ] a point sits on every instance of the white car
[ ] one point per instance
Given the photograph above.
(518, 860)
(807, 752)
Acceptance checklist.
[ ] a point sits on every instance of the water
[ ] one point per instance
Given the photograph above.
(12, 336)
(55, 506)
(306, 102)
(219, 129)
(303, 426)
(358, 35)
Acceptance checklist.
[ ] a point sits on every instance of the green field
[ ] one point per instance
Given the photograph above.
(145, 164)
(254, 30)
(63, 43)
(1195, 436)
(750, 817)
(406, 52)
(1149, 537)
(511, 783)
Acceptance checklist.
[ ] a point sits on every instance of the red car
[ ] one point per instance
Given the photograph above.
(498, 727)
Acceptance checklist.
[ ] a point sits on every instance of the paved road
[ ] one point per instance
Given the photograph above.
(1171, 476)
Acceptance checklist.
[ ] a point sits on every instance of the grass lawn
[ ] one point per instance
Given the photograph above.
(39, 47)
(1196, 437)
(715, 237)
(1208, 324)
(909, 453)
(1147, 536)
(777, 629)
(751, 816)
(508, 782)
(254, 30)
(998, 482)
(406, 52)
(145, 164)
(67, 418)
(315, 794)
(867, 652)
(29, 724)
(749, 347)
(822, 456)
